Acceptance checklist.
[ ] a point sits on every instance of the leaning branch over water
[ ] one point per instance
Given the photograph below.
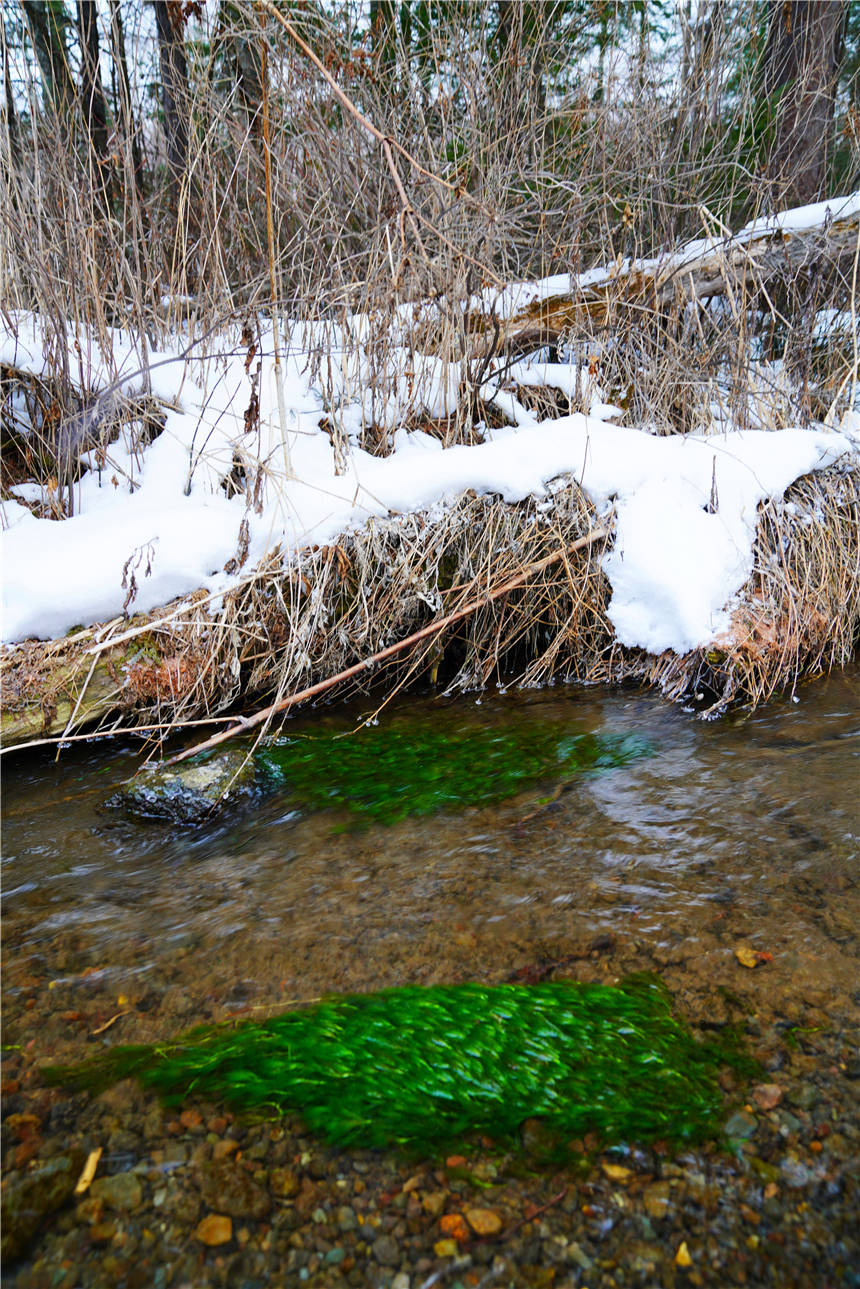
(243, 725)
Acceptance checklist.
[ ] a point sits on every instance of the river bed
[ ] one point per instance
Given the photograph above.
(724, 859)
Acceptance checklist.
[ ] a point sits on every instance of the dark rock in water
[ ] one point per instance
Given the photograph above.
(227, 1188)
(121, 1191)
(29, 1200)
(740, 1126)
(188, 792)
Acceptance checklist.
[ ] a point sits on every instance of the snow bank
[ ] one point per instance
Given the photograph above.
(155, 523)
(674, 567)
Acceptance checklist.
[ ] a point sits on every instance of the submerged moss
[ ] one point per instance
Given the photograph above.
(384, 773)
(423, 1067)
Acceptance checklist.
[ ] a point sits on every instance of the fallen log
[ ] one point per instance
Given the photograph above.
(49, 692)
(742, 265)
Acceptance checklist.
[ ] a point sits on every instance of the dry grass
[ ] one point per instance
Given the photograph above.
(799, 614)
(281, 632)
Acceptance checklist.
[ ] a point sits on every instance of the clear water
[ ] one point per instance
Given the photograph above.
(729, 833)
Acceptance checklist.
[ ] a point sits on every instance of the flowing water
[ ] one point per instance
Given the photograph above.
(724, 857)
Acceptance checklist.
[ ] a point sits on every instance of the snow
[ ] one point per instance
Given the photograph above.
(154, 522)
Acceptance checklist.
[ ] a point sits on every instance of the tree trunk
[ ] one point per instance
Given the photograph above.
(47, 29)
(383, 33)
(174, 87)
(744, 264)
(799, 70)
(92, 95)
(126, 109)
(175, 101)
(237, 36)
(11, 115)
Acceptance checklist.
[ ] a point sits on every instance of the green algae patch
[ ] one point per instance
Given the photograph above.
(422, 1067)
(381, 774)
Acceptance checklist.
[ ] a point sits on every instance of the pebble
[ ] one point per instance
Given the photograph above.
(122, 1191)
(223, 1149)
(386, 1251)
(452, 1224)
(682, 1257)
(655, 1198)
(346, 1219)
(227, 1188)
(214, 1229)
(576, 1254)
(484, 1221)
(795, 1173)
(741, 1125)
(767, 1096)
(29, 1200)
(433, 1202)
(283, 1182)
(806, 1096)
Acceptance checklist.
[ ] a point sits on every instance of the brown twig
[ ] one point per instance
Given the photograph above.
(433, 628)
(509, 1231)
(113, 1020)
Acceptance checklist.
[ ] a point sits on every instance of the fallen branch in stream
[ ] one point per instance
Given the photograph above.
(244, 724)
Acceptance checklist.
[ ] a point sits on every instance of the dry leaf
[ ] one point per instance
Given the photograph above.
(682, 1257)
(89, 1171)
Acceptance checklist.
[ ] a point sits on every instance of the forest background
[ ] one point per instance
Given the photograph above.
(510, 139)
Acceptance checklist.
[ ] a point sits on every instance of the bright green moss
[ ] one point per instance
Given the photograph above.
(383, 773)
(425, 1067)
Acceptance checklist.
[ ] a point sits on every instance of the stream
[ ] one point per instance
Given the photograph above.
(723, 858)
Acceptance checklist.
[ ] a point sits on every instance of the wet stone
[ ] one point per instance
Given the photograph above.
(577, 1255)
(28, 1201)
(282, 1181)
(767, 1096)
(386, 1251)
(806, 1096)
(228, 1189)
(346, 1219)
(655, 1198)
(122, 1192)
(741, 1125)
(215, 1229)
(184, 1207)
(186, 793)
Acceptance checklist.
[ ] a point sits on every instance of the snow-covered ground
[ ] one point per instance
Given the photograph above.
(155, 522)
